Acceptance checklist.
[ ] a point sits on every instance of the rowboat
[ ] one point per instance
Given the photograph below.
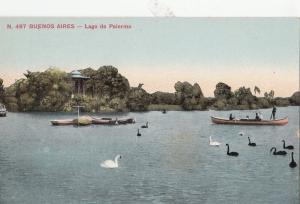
(110, 121)
(87, 120)
(62, 122)
(126, 121)
(104, 121)
(2, 110)
(217, 120)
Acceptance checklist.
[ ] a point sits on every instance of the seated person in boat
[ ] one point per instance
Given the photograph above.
(231, 117)
(257, 117)
(260, 115)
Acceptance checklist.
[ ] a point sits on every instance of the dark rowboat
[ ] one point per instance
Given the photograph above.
(216, 120)
(126, 121)
(110, 121)
(103, 121)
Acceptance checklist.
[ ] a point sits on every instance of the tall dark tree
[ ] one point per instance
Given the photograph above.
(1, 91)
(256, 90)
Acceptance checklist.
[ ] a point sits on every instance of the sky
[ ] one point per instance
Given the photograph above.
(158, 52)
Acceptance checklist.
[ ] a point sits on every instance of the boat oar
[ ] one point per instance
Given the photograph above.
(271, 116)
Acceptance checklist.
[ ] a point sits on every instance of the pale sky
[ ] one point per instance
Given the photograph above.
(161, 51)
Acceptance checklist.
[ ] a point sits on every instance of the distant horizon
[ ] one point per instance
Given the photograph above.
(248, 52)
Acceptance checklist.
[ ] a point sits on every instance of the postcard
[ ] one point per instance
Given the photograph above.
(149, 110)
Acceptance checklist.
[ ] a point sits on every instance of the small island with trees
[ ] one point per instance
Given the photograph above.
(106, 90)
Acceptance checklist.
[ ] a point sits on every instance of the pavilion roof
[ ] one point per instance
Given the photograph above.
(77, 75)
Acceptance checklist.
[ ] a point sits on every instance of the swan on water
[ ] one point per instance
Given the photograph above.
(138, 133)
(277, 153)
(145, 126)
(241, 133)
(213, 143)
(111, 163)
(251, 143)
(235, 154)
(293, 164)
(287, 147)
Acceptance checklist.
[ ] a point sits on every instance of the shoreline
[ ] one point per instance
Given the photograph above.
(177, 108)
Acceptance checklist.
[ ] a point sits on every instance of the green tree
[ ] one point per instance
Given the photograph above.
(256, 90)
(41, 91)
(1, 91)
(269, 96)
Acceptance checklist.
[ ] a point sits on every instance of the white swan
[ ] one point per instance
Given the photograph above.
(241, 133)
(213, 143)
(111, 163)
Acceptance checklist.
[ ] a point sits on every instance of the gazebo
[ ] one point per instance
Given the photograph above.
(78, 82)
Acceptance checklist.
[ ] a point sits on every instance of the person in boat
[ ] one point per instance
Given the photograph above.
(257, 117)
(231, 117)
(273, 112)
(260, 115)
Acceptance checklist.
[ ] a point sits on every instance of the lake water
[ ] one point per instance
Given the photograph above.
(170, 163)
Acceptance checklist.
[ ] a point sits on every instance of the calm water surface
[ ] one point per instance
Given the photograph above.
(170, 163)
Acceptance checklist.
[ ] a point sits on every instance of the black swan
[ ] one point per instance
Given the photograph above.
(235, 154)
(138, 133)
(277, 153)
(287, 147)
(251, 143)
(145, 126)
(293, 164)
(164, 111)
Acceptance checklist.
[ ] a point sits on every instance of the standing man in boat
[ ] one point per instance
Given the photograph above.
(273, 113)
